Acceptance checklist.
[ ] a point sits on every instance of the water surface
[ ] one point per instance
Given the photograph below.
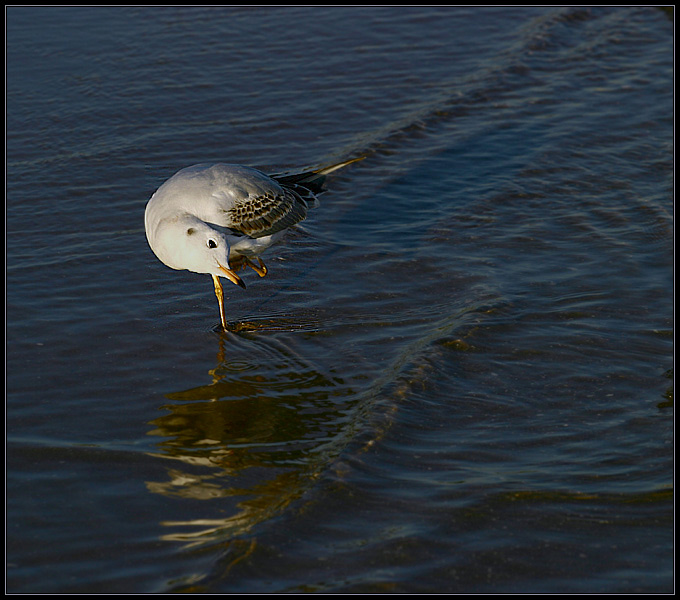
(457, 376)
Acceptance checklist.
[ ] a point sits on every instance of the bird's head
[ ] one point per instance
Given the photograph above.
(186, 242)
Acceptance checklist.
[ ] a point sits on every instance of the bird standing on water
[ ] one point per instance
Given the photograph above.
(217, 219)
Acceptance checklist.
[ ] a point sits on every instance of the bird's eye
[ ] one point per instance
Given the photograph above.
(212, 244)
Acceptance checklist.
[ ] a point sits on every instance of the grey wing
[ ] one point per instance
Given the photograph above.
(267, 213)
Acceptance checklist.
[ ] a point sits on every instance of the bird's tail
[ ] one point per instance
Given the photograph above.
(313, 179)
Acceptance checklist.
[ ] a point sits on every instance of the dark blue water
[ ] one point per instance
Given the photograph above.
(457, 376)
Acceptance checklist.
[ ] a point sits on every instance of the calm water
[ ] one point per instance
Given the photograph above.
(457, 376)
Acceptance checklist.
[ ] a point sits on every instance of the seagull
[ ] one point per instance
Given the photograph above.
(218, 218)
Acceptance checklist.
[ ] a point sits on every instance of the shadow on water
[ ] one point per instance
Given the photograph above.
(254, 437)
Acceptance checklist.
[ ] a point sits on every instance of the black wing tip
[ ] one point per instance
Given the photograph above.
(314, 178)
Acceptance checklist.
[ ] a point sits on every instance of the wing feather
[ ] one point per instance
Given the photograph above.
(267, 214)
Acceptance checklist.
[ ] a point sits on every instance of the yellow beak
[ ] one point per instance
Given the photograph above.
(233, 277)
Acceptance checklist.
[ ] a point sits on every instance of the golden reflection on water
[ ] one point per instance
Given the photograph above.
(270, 421)
(252, 439)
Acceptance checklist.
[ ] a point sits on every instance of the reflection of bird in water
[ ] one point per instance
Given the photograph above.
(216, 219)
(252, 439)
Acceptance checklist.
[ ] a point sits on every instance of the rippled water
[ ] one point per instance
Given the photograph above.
(457, 376)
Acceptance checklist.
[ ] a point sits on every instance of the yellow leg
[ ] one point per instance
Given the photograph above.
(220, 299)
(261, 270)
